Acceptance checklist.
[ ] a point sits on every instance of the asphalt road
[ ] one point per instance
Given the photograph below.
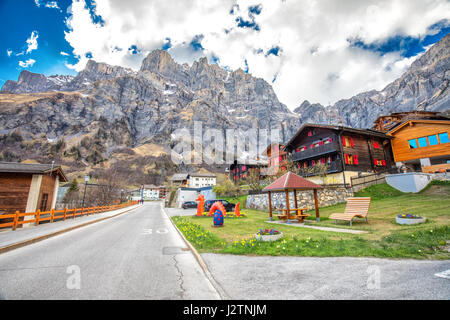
(137, 255)
(297, 278)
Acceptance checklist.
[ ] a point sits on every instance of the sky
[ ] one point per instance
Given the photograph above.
(321, 51)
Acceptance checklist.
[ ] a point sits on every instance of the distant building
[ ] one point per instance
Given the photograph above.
(180, 179)
(422, 145)
(152, 192)
(241, 170)
(194, 180)
(199, 180)
(277, 158)
(29, 187)
(346, 152)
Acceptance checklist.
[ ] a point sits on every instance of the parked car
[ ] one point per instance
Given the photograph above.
(189, 204)
(228, 205)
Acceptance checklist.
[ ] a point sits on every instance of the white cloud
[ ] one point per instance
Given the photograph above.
(32, 43)
(316, 61)
(9, 52)
(52, 5)
(38, 3)
(64, 53)
(27, 63)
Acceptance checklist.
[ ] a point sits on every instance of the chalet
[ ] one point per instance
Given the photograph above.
(29, 187)
(422, 145)
(277, 158)
(240, 170)
(386, 123)
(342, 151)
(180, 179)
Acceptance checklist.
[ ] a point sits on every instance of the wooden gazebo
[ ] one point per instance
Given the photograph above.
(292, 182)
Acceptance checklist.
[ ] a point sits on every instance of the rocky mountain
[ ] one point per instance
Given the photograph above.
(424, 86)
(105, 110)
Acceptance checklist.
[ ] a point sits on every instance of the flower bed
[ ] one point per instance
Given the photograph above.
(268, 235)
(409, 219)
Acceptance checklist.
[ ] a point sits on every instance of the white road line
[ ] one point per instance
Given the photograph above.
(444, 274)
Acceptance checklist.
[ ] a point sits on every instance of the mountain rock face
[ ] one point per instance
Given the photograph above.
(118, 107)
(424, 86)
(128, 109)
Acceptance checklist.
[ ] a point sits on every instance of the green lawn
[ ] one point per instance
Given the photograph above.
(385, 238)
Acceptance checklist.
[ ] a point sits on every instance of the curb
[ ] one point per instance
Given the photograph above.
(46, 236)
(201, 262)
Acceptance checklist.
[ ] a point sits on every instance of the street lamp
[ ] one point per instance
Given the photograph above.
(121, 192)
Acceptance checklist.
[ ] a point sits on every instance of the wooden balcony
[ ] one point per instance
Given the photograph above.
(315, 152)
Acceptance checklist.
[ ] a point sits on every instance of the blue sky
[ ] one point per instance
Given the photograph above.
(317, 56)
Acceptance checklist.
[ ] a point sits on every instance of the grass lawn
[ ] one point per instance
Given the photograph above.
(385, 238)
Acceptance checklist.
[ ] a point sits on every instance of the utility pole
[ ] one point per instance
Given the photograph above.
(86, 179)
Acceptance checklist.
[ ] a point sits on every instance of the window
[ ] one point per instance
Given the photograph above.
(432, 140)
(443, 137)
(422, 142)
(412, 143)
(378, 162)
(351, 159)
(347, 142)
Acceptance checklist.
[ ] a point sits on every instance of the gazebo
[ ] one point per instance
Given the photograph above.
(292, 182)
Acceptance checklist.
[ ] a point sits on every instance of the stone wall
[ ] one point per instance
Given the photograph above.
(305, 199)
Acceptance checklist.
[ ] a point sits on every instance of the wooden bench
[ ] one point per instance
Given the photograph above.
(356, 207)
(298, 214)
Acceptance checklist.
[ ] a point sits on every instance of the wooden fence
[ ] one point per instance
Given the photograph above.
(54, 215)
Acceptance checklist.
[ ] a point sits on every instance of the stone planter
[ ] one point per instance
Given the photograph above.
(269, 237)
(409, 220)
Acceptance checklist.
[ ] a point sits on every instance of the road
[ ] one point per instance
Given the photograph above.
(137, 255)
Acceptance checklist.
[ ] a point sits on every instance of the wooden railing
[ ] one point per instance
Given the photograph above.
(54, 215)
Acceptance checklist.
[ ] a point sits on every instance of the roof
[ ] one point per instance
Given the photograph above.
(202, 175)
(418, 120)
(32, 168)
(291, 181)
(367, 132)
(179, 177)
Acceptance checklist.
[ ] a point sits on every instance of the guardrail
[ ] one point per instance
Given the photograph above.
(54, 215)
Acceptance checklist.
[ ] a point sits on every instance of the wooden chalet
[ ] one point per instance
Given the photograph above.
(422, 145)
(386, 123)
(346, 152)
(29, 187)
(241, 170)
(277, 158)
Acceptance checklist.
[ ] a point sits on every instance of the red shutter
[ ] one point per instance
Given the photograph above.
(376, 145)
(375, 161)
(355, 159)
(312, 146)
(346, 158)
(384, 163)
(331, 140)
(320, 143)
(343, 141)
(351, 142)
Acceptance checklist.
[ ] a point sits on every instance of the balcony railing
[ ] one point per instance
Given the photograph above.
(334, 166)
(315, 152)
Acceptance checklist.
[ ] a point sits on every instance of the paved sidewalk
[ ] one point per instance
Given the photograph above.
(302, 225)
(336, 278)
(9, 237)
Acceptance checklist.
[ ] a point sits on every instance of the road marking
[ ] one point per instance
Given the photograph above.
(146, 232)
(162, 231)
(444, 274)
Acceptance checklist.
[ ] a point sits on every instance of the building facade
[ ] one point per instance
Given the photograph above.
(199, 180)
(29, 187)
(422, 145)
(338, 152)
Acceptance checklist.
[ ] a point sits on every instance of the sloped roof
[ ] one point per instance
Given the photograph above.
(32, 168)
(291, 181)
(367, 132)
(179, 177)
(417, 120)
